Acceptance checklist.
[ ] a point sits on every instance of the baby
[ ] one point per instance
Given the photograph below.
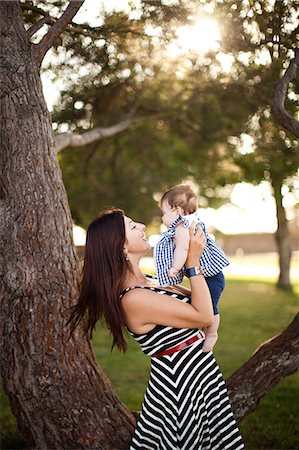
(179, 205)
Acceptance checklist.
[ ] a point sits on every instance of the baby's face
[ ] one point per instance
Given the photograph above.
(169, 214)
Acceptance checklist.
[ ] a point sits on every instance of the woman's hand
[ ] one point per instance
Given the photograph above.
(196, 246)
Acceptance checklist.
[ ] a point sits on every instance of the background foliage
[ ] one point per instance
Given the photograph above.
(197, 111)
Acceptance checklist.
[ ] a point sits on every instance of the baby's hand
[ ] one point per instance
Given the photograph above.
(172, 272)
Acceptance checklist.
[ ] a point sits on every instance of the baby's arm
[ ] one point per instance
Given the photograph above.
(181, 250)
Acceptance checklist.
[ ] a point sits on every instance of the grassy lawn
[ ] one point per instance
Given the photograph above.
(252, 311)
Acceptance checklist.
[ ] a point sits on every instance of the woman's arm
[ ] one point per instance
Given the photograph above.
(144, 308)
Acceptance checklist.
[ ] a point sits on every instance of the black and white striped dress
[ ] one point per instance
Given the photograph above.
(186, 405)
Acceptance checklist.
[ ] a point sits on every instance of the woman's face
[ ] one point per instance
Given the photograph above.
(137, 242)
(169, 213)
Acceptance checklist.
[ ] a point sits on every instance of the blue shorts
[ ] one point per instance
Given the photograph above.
(216, 285)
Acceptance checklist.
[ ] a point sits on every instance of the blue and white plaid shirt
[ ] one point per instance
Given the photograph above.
(212, 260)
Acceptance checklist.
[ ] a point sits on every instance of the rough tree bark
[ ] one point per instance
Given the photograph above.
(60, 397)
(271, 362)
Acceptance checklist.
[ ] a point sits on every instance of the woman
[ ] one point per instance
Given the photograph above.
(186, 404)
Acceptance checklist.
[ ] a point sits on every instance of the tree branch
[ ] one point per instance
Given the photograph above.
(273, 361)
(59, 26)
(282, 116)
(83, 29)
(37, 25)
(64, 140)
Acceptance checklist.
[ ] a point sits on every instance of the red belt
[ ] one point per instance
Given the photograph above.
(178, 347)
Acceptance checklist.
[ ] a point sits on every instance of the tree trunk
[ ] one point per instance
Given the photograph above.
(282, 237)
(282, 116)
(60, 397)
(272, 361)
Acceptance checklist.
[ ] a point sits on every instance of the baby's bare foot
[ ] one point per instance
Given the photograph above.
(209, 342)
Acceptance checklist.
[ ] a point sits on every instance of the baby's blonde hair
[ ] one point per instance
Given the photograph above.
(181, 195)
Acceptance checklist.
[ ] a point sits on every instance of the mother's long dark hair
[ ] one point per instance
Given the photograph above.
(103, 277)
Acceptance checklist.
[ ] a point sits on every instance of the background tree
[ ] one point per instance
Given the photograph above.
(263, 39)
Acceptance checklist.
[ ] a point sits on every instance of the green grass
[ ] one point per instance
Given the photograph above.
(251, 312)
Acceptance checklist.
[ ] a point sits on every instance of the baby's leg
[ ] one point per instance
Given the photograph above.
(211, 333)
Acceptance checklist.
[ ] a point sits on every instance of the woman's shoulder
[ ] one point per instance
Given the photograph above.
(151, 279)
(132, 292)
(132, 289)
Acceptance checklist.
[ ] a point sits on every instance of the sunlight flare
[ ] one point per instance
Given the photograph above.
(203, 36)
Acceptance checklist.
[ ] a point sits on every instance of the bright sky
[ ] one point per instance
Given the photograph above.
(202, 36)
(252, 208)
